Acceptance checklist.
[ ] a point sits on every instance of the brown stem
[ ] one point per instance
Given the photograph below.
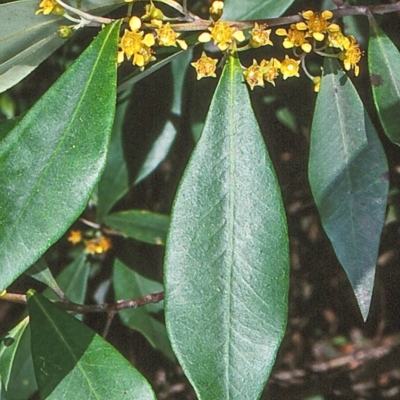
(89, 308)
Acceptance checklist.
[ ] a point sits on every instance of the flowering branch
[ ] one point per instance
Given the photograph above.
(93, 308)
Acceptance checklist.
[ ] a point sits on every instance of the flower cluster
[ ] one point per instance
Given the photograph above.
(135, 45)
(316, 33)
(268, 71)
(49, 7)
(94, 243)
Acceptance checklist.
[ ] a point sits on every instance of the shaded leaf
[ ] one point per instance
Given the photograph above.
(383, 60)
(41, 272)
(226, 267)
(52, 159)
(28, 39)
(141, 225)
(128, 284)
(73, 280)
(70, 358)
(114, 182)
(348, 177)
(16, 367)
(254, 9)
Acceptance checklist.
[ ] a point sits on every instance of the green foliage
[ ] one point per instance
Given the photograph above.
(69, 358)
(350, 197)
(41, 156)
(238, 288)
(98, 161)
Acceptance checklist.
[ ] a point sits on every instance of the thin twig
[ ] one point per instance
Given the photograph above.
(93, 308)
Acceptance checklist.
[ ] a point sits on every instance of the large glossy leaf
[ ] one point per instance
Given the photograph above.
(255, 9)
(27, 39)
(16, 367)
(226, 267)
(70, 359)
(383, 60)
(348, 177)
(141, 225)
(128, 284)
(52, 159)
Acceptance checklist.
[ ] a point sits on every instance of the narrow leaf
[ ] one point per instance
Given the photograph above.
(70, 358)
(255, 9)
(348, 177)
(128, 284)
(73, 280)
(41, 272)
(27, 39)
(16, 367)
(384, 59)
(226, 267)
(52, 159)
(141, 225)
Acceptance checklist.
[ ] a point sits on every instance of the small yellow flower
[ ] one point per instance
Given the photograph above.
(168, 37)
(260, 36)
(97, 245)
(205, 66)
(290, 67)
(317, 83)
(136, 45)
(254, 75)
(295, 38)
(336, 39)
(317, 24)
(222, 34)
(75, 237)
(152, 12)
(49, 6)
(270, 70)
(351, 55)
(216, 10)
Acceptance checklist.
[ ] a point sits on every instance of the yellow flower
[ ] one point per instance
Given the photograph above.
(295, 38)
(168, 37)
(205, 66)
(351, 55)
(75, 237)
(270, 70)
(152, 12)
(216, 10)
(317, 24)
(97, 245)
(222, 34)
(317, 83)
(260, 36)
(289, 67)
(135, 43)
(49, 6)
(336, 39)
(254, 75)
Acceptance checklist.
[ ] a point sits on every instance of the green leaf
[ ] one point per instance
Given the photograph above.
(226, 267)
(41, 272)
(70, 358)
(348, 177)
(141, 225)
(16, 367)
(28, 39)
(73, 280)
(128, 284)
(7, 126)
(383, 60)
(114, 182)
(254, 9)
(52, 159)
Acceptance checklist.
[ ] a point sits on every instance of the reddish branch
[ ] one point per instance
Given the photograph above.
(93, 308)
